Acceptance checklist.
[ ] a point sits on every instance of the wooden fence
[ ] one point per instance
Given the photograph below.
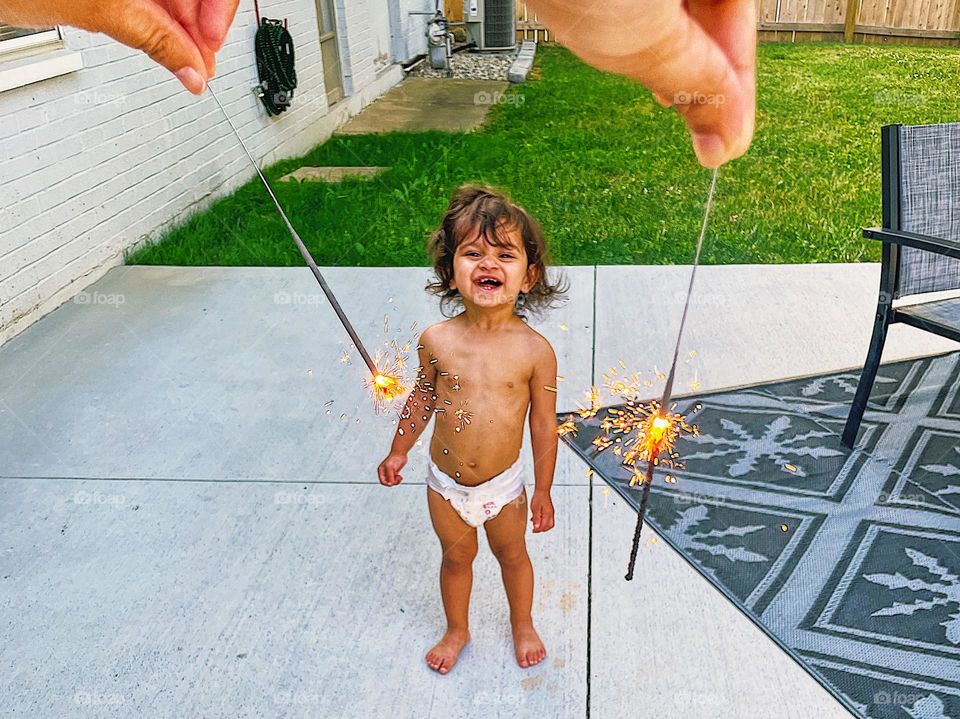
(915, 22)
(528, 27)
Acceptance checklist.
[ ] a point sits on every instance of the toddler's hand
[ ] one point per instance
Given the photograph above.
(541, 507)
(389, 470)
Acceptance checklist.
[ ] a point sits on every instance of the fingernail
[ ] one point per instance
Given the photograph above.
(191, 80)
(709, 148)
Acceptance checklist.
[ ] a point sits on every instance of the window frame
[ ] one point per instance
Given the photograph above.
(41, 37)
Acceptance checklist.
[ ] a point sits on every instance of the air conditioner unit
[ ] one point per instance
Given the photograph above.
(492, 24)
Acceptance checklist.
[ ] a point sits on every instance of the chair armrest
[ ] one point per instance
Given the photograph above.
(939, 245)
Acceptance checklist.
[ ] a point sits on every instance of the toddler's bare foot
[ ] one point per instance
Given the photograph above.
(444, 654)
(527, 644)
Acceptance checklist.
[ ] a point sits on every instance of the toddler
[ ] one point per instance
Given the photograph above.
(480, 371)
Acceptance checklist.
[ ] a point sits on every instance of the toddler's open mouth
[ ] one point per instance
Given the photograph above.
(488, 284)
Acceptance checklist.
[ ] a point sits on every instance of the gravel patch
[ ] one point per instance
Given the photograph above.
(471, 66)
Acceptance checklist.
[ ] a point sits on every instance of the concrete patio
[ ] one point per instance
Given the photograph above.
(420, 104)
(188, 529)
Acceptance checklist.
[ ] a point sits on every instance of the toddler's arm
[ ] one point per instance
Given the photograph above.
(414, 417)
(543, 435)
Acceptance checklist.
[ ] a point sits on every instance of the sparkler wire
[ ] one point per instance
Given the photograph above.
(305, 253)
(668, 388)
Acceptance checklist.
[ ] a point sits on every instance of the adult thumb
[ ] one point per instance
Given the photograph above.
(722, 42)
(148, 27)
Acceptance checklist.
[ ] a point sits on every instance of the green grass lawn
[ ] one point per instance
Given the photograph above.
(608, 172)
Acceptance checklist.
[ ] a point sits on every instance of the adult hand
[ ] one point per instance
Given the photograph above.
(697, 55)
(181, 35)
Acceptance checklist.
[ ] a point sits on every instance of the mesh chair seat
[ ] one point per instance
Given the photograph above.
(920, 182)
(939, 316)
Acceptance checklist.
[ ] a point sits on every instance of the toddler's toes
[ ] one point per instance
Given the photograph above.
(529, 648)
(444, 654)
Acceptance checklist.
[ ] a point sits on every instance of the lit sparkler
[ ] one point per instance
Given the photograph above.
(385, 382)
(664, 422)
(387, 388)
(654, 427)
(653, 433)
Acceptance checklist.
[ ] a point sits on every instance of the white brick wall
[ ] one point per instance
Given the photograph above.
(101, 160)
(412, 32)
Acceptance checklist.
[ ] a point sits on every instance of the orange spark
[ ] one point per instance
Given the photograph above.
(567, 427)
(387, 385)
(652, 432)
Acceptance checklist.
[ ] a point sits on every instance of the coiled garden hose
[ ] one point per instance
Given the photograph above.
(275, 66)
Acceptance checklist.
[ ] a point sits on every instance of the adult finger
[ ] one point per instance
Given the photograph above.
(708, 76)
(216, 16)
(658, 43)
(148, 27)
(732, 26)
(187, 13)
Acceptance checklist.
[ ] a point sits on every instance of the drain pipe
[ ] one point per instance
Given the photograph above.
(413, 64)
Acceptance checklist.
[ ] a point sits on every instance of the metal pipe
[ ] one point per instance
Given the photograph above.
(304, 252)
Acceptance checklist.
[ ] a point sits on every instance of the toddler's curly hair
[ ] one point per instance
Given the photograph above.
(489, 211)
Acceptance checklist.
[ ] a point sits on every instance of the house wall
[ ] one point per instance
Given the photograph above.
(101, 160)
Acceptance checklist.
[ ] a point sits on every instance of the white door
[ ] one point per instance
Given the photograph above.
(380, 14)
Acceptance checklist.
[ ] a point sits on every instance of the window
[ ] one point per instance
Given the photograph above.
(28, 56)
(15, 38)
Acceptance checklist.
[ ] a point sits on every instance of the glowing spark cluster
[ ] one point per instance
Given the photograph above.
(388, 384)
(587, 413)
(651, 432)
(567, 427)
(640, 433)
(463, 417)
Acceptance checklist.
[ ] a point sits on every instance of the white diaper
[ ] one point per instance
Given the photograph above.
(484, 501)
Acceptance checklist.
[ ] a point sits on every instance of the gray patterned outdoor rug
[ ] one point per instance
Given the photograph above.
(849, 560)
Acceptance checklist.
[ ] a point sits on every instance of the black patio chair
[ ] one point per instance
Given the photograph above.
(921, 241)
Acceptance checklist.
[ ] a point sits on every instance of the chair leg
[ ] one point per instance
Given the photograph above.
(867, 379)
